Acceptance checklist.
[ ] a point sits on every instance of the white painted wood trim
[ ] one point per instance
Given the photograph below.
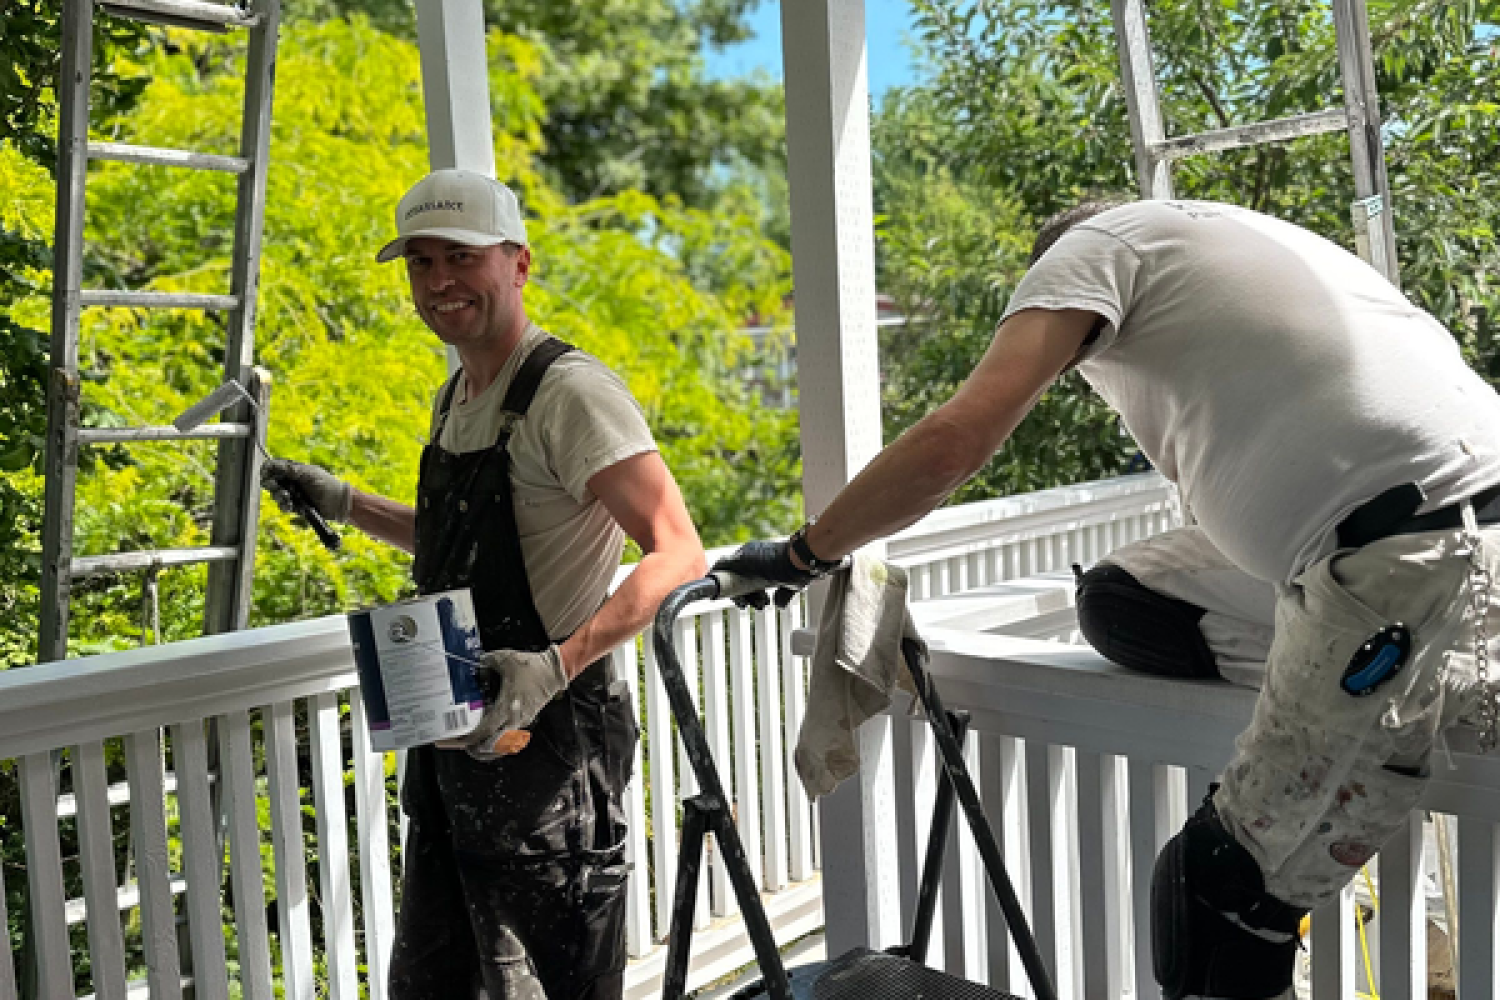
(100, 880)
(44, 874)
(201, 857)
(638, 939)
(239, 791)
(333, 847)
(372, 821)
(293, 906)
(662, 755)
(148, 829)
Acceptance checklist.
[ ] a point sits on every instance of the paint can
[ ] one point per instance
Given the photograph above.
(418, 669)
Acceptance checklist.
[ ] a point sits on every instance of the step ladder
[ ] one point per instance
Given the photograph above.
(230, 554)
(1375, 234)
(895, 974)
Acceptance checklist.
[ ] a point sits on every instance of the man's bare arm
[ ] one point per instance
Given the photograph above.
(643, 497)
(919, 470)
(391, 522)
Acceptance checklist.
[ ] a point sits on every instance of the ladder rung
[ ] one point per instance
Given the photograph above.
(128, 896)
(127, 435)
(197, 14)
(125, 562)
(125, 153)
(156, 300)
(1280, 130)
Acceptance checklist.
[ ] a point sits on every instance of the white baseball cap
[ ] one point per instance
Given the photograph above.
(457, 205)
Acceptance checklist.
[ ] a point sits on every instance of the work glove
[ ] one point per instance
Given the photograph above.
(329, 495)
(525, 683)
(759, 566)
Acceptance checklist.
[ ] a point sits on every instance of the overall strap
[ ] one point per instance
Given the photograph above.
(523, 387)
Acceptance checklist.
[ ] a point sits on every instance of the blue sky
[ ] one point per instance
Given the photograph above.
(887, 23)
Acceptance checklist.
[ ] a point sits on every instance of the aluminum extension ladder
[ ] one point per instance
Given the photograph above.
(1375, 234)
(231, 551)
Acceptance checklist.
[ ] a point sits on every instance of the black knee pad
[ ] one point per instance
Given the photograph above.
(1136, 627)
(1215, 932)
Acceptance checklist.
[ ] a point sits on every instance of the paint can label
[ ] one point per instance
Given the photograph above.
(417, 669)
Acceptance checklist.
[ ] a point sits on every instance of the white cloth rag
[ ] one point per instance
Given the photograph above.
(856, 664)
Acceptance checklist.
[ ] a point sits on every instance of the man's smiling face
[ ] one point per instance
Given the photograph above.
(468, 296)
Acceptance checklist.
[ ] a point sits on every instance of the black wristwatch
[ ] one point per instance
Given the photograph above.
(798, 544)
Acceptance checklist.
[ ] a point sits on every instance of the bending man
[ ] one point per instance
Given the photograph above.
(540, 465)
(1339, 457)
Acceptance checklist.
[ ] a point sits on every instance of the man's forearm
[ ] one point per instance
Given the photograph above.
(391, 522)
(631, 608)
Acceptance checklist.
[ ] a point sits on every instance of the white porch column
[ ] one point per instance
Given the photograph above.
(833, 259)
(455, 90)
(456, 85)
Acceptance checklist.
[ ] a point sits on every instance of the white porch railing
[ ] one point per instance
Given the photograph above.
(131, 733)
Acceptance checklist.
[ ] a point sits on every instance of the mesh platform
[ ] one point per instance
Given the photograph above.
(873, 975)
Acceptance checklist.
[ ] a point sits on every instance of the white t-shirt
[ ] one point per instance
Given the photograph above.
(1277, 378)
(582, 420)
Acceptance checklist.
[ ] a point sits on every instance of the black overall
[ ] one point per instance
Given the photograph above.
(514, 874)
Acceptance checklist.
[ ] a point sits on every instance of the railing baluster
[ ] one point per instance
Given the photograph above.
(997, 782)
(1150, 816)
(1403, 914)
(1101, 862)
(746, 767)
(663, 766)
(49, 926)
(909, 816)
(1044, 785)
(1331, 948)
(238, 778)
(148, 831)
(973, 885)
(201, 860)
(372, 821)
(8, 985)
(925, 774)
(686, 638)
(773, 775)
(794, 697)
(333, 846)
(638, 939)
(1477, 872)
(716, 731)
(293, 910)
(101, 886)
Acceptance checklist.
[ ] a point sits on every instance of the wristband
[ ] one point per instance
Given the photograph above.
(816, 566)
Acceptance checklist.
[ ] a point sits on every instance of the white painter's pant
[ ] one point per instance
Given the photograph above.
(1308, 792)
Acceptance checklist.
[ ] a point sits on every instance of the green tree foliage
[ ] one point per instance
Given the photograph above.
(628, 105)
(1023, 114)
(646, 283)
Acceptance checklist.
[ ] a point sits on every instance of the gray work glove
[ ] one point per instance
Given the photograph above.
(763, 565)
(525, 683)
(329, 495)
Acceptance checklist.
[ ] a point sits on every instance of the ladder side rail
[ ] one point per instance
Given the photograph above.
(1371, 186)
(237, 512)
(1138, 74)
(61, 469)
(236, 487)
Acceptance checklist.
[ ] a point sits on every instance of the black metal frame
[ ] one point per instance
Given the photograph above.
(709, 812)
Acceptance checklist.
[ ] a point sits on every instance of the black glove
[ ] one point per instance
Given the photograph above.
(746, 575)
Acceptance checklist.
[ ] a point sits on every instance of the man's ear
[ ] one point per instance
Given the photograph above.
(523, 265)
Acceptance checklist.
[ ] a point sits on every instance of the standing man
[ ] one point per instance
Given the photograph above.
(540, 464)
(1334, 447)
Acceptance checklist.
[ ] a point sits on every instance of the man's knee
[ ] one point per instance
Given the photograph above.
(1137, 627)
(1215, 931)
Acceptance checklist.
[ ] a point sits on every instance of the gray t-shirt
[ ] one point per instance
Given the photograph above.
(582, 421)
(1276, 377)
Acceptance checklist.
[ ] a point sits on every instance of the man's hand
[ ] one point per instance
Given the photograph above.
(758, 567)
(525, 683)
(329, 495)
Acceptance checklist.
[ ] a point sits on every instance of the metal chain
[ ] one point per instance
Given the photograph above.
(1479, 596)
